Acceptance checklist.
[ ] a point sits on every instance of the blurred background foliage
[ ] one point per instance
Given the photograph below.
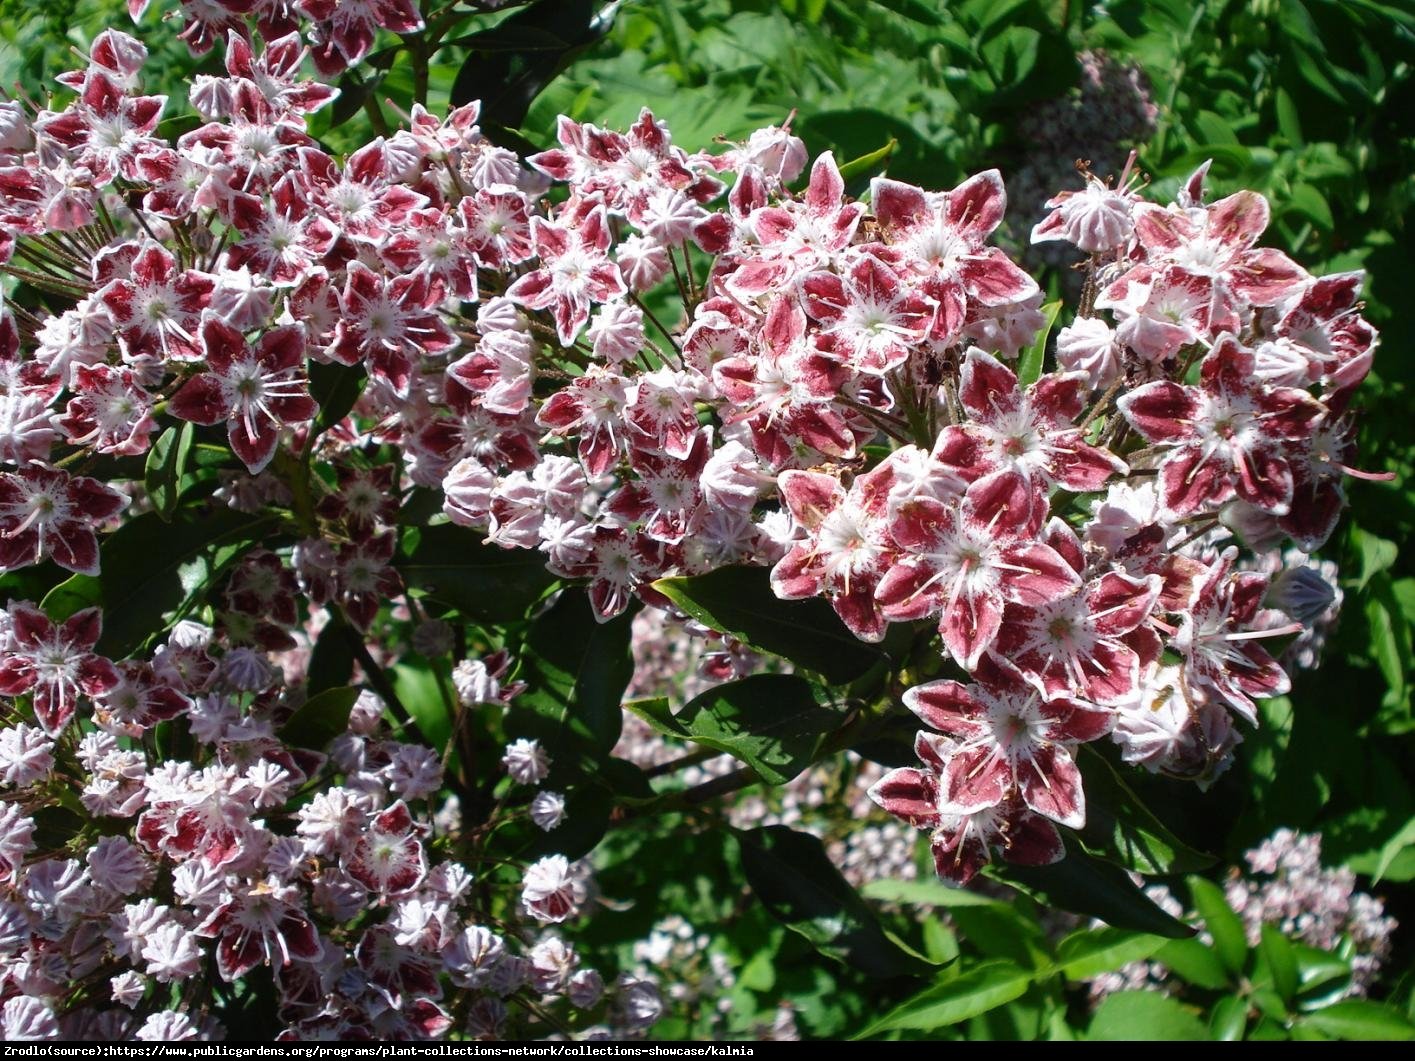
(1309, 102)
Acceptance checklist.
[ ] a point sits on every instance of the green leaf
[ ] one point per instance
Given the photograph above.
(800, 887)
(870, 164)
(320, 719)
(774, 723)
(1392, 848)
(1144, 1016)
(487, 584)
(1363, 1020)
(1088, 952)
(984, 987)
(1228, 1019)
(576, 669)
(1230, 941)
(506, 81)
(1086, 885)
(153, 571)
(1376, 553)
(1317, 968)
(74, 594)
(166, 462)
(739, 601)
(416, 685)
(1029, 365)
(336, 388)
(1003, 931)
(924, 893)
(1281, 962)
(1195, 963)
(332, 660)
(1121, 829)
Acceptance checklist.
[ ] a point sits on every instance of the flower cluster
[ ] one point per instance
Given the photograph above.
(1230, 370)
(841, 399)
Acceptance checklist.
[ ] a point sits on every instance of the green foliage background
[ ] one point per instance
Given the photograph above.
(1309, 102)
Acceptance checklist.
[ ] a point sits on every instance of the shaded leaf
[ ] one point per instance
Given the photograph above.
(576, 670)
(336, 388)
(153, 570)
(1121, 829)
(1086, 885)
(320, 719)
(739, 601)
(800, 887)
(487, 584)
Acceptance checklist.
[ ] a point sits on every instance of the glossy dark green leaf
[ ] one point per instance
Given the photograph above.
(1086, 885)
(507, 79)
(166, 462)
(868, 165)
(487, 584)
(74, 594)
(153, 571)
(739, 601)
(774, 723)
(320, 719)
(576, 670)
(1281, 963)
(1195, 963)
(800, 887)
(1228, 1019)
(332, 660)
(1121, 829)
(336, 388)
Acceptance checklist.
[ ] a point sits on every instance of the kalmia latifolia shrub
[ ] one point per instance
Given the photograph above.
(260, 406)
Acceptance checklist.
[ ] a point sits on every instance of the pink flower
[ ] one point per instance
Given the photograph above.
(51, 513)
(1030, 432)
(257, 389)
(387, 324)
(962, 843)
(388, 859)
(56, 664)
(1160, 309)
(261, 924)
(110, 411)
(847, 549)
(869, 318)
(1218, 636)
(940, 237)
(964, 561)
(1217, 241)
(552, 890)
(1225, 436)
(157, 306)
(574, 272)
(1096, 219)
(1008, 737)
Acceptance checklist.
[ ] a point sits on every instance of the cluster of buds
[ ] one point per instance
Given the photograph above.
(835, 400)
